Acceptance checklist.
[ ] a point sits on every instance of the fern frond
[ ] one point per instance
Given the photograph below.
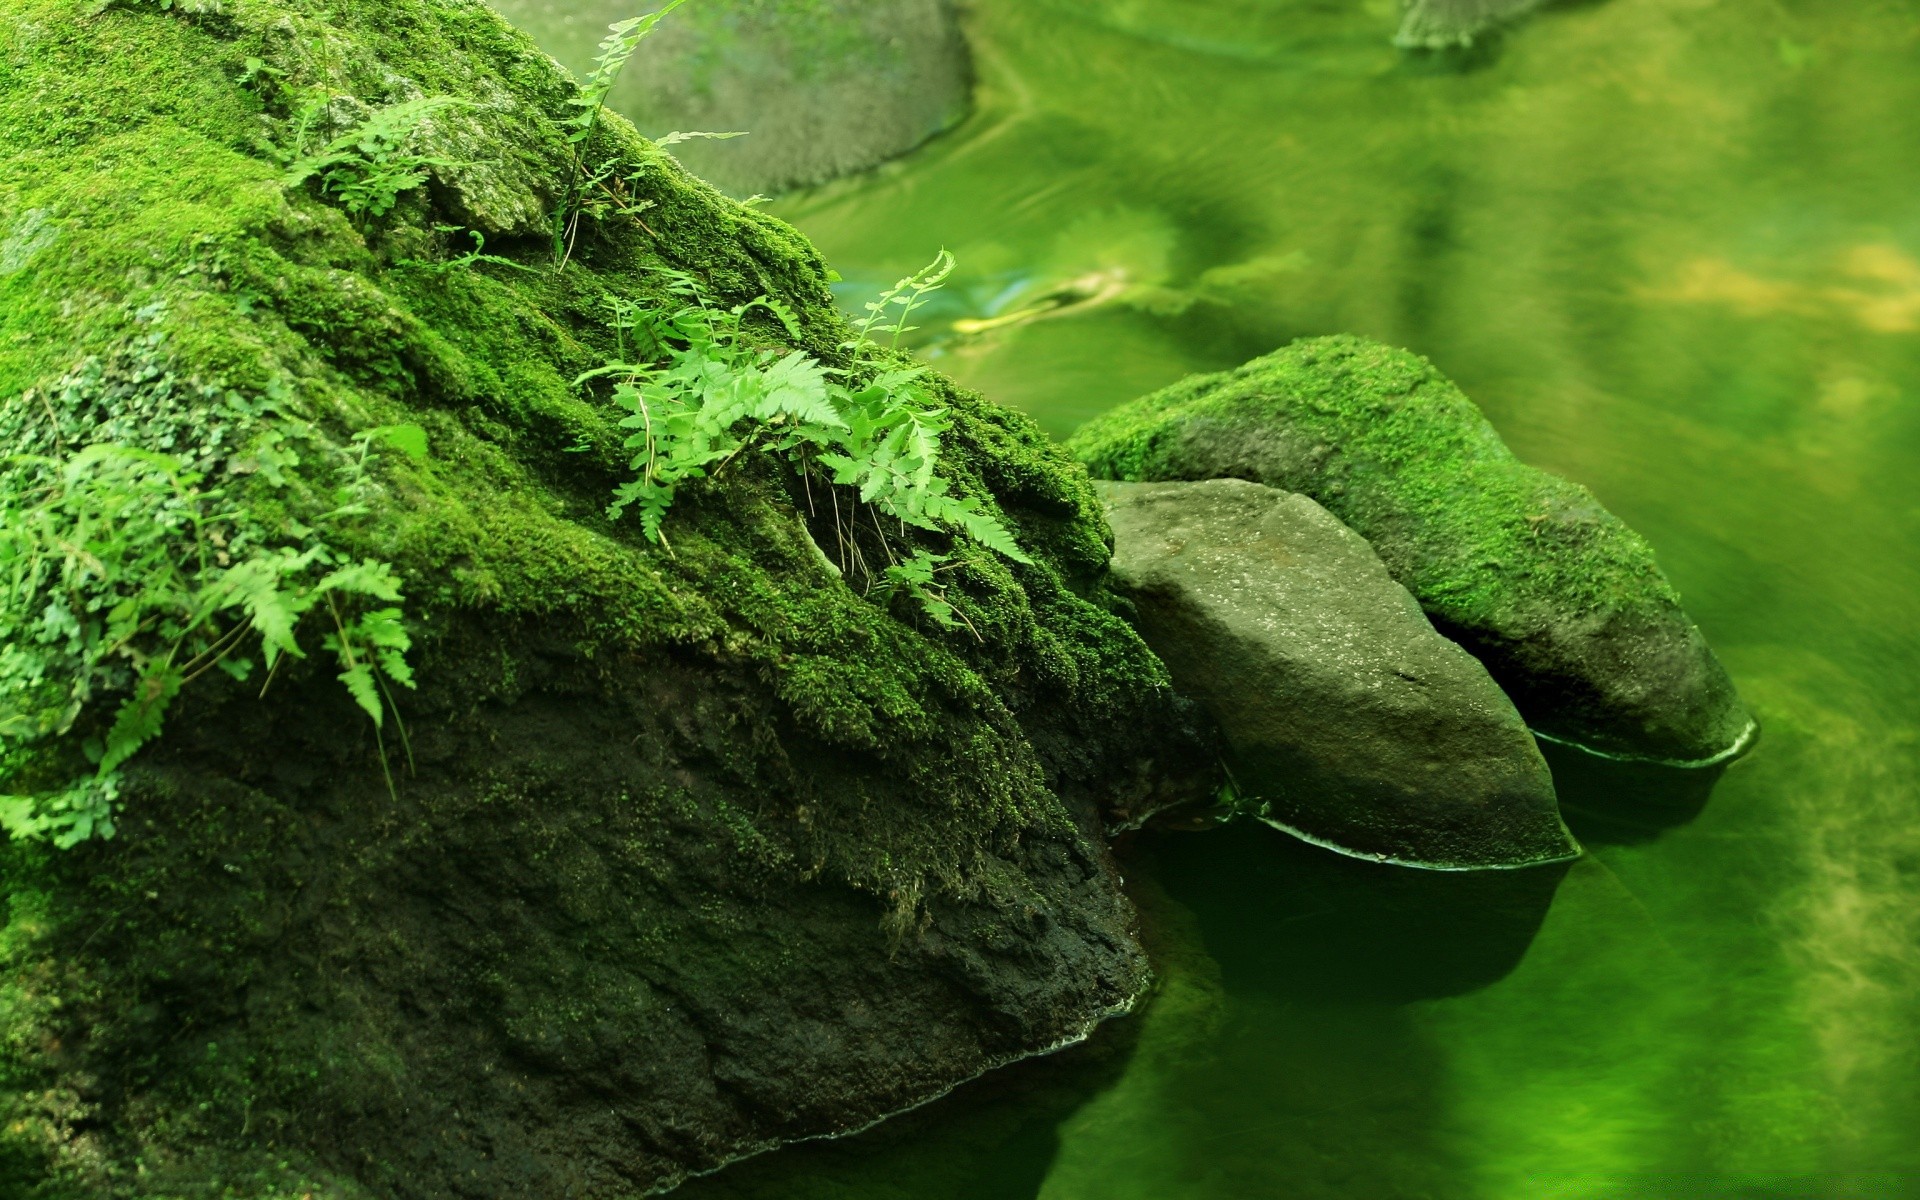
(623, 38)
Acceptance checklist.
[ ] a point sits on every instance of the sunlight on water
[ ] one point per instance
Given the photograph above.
(1672, 247)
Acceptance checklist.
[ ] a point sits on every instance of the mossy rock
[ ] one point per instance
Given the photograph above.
(1561, 601)
(700, 851)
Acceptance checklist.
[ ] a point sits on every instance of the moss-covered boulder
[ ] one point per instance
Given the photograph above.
(1559, 599)
(1350, 722)
(685, 851)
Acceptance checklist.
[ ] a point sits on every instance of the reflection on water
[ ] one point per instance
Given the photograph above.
(1672, 247)
(1607, 802)
(1296, 924)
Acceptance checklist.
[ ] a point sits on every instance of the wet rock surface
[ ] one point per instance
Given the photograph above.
(1348, 718)
(1561, 601)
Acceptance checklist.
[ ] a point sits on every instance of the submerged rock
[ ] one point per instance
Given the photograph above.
(1349, 720)
(1437, 24)
(1560, 600)
(685, 854)
(822, 88)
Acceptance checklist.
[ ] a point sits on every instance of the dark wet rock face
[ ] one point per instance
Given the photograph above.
(1348, 717)
(1560, 600)
(578, 960)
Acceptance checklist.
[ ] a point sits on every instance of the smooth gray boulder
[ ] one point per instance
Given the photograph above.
(1348, 719)
(1562, 602)
(822, 88)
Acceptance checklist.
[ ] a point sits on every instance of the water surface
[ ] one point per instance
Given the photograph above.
(1672, 247)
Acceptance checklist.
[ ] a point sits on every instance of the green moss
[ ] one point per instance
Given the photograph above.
(830, 742)
(1395, 450)
(1556, 596)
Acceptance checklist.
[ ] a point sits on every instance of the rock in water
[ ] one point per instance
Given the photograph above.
(1351, 720)
(1437, 24)
(1559, 599)
(823, 88)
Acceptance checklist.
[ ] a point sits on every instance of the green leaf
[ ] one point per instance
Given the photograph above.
(368, 167)
(254, 586)
(360, 685)
(375, 580)
(410, 440)
(796, 387)
(383, 634)
(141, 715)
(979, 525)
(715, 394)
(19, 816)
(678, 136)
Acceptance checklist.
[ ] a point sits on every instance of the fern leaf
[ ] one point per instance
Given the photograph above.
(375, 580)
(980, 525)
(382, 632)
(679, 135)
(653, 511)
(623, 38)
(846, 470)
(796, 387)
(360, 685)
(141, 715)
(254, 587)
(781, 312)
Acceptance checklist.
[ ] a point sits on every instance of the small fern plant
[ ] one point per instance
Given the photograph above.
(714, 394)
(368, 167)
(623, 38)
(126, 574)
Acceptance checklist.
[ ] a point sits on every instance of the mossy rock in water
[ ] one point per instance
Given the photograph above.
(1559, 599)
(699, 851)
(1350, 722)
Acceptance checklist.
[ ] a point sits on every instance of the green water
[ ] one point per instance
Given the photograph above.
(1672, 247)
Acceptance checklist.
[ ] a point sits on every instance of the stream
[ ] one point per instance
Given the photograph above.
(1672, 249)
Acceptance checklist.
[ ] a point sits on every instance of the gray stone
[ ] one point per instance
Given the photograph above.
(1562, 602)
(1347, 717)
(822, 88)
